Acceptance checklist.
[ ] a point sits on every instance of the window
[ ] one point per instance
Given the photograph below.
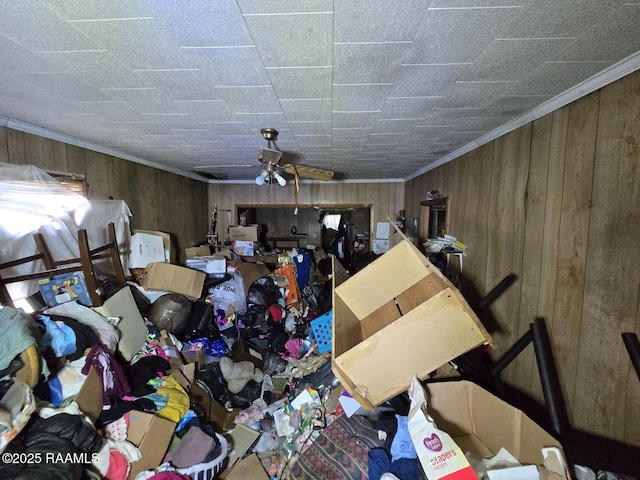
(332, 221)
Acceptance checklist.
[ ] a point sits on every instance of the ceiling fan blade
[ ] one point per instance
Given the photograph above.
(309, 172)
(270, 156)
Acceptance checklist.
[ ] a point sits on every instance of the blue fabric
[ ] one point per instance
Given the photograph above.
(60, 337)
(402, 445)
(380, 463)
(303, 269)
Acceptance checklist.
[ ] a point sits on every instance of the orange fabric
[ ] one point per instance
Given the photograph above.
(293, 295)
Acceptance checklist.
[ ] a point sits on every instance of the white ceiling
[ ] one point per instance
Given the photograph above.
(377, 89)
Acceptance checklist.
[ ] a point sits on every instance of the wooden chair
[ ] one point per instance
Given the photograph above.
(87, 263)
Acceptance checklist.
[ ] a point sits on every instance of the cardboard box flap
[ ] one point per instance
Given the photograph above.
(133, 331)
(251, 272)
(484, 423)
(89, 398)
(151, 434)
(173, 278)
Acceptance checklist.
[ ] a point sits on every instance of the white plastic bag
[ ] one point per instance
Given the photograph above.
(230, 294)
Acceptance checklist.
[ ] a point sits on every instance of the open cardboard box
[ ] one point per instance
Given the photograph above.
(397, 318)
(151, 434)
(167, 277)
(482, 423)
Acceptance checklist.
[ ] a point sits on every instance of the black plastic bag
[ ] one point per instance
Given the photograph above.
(263, 292)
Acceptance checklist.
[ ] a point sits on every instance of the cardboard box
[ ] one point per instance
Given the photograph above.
(396, 318)
(198, 357)
(247, 468)
(203, 250)
(243, 248)
(246, 351)
(63, 288)
(170, 252)
(166, 277)
(250, 233)
(151, 434)
(221, 419)
(482, 423)
(146, 248)
(89, 398)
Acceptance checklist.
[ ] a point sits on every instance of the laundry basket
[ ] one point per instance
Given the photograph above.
(322, 331)
(208, 470)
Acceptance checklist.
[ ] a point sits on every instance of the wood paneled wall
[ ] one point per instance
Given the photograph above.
(159, 200)
(557, 202)
(384, 198)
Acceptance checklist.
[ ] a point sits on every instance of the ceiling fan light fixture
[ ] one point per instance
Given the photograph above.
(261, 179)
(280, 179)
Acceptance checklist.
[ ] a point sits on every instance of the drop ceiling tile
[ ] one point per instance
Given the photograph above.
(11, 83)
(47, 31)
(202, 23)
(46, 102)
(510, 106)
(455, 4)
(312, 150)
(462, 94)
(513, 59)
(350, 134)
(313, 141)
(301, 83)
(285, 6)
(377, 21)
(263, 120)
(82, 10)
(306, 109)
(293, 40)
(367, 63)
(549, 18)
(407, 107)
(100, 68)
(140, 43)
(615, 37)
(233, 66)
(310, 128)
(393, 126)
(458, 35)
(552, 78)
(261, 100)
(359, 98)
(427, 80)
(14, 58)
(354, 119)
(214, 111)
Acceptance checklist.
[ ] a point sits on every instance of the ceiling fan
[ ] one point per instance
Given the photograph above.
(271, 168)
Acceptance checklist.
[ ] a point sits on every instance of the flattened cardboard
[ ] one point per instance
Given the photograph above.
(89, 398)
(482, 423)
(247, 468)
(151, 434)
(133, 330)
(411, 321)
(242, 437)
(173, 278)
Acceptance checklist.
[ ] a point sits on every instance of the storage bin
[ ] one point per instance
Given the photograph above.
(208, 470)
(321, 327)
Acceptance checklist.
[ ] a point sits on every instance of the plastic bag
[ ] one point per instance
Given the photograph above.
(263, 292)
(229, 294)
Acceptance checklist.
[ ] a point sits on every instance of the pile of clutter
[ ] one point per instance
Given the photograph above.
(157, 383)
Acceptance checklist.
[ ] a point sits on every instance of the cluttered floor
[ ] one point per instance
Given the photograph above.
(229, 379)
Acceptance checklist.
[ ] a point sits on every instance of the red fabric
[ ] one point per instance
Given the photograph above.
(276, 313)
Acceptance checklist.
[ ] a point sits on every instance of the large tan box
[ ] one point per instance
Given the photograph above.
(166, 277)
(250, 233)
(151, 434)
(397, 318)
(482, 423)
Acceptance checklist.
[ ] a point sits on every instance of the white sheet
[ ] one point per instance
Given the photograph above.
(31, 201)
